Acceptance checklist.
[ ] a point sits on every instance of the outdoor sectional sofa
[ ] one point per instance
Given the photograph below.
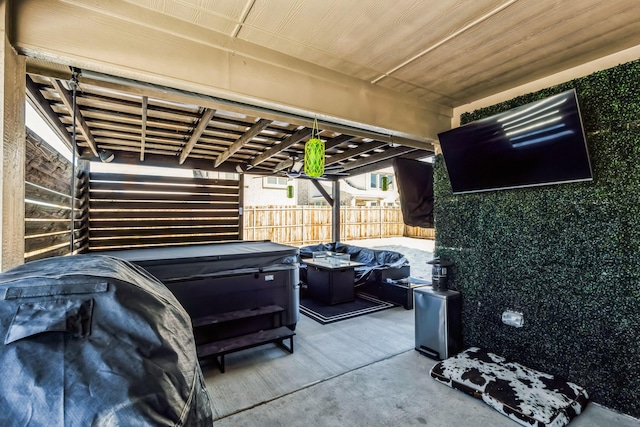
(378, 267)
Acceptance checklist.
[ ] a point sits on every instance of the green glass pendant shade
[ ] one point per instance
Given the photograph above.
(314, 157)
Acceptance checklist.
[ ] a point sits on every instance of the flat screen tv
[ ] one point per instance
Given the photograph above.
(539, 143)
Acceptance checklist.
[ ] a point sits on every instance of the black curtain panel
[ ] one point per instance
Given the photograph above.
(415, 186)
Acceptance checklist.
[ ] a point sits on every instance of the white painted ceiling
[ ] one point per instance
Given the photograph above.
(447, 51)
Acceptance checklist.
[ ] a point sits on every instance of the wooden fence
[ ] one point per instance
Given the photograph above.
(305, 225)
(48, 202)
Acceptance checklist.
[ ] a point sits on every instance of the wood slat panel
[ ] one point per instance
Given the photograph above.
(145, 210)
(55, 240)
(156, 241)
(157, 180)
(168, 197)
(116, 223)
(102, 233)
(62, 249)
(43, 194)
(176, 206)
(32, 228)
(144, 188)
(169, 215)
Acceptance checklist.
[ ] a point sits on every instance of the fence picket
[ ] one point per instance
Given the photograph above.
(304, 225)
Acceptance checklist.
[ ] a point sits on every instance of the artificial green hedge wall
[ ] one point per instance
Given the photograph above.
(567, 256)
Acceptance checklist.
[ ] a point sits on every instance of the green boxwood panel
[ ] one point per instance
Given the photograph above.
(567, 256)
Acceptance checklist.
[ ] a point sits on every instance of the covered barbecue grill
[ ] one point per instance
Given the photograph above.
(95, 340)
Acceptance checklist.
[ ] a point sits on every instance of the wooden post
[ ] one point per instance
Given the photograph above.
(12, 152)
(81, 211)
(241, 211)
(302, 222)
(335, 211)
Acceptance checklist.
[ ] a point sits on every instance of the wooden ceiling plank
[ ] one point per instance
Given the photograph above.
(145, 103)
(387, 154)
(413, 155)
(351, 152)
(286, 143)
(334, 142)
(244, 139)
(206, 117)
(82, 124)
(283, 165)
(33, 92)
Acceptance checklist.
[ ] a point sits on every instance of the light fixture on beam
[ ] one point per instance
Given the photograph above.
(106, 156)
(296, 168)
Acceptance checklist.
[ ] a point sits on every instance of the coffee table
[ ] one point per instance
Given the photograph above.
(331, 280)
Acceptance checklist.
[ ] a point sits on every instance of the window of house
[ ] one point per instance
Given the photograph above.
(375, 180)
(231, 176)
(274, 182)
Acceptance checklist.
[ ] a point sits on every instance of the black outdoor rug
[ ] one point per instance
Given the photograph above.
(324, 314)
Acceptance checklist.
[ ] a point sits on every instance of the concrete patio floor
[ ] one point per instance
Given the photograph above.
(362, 371)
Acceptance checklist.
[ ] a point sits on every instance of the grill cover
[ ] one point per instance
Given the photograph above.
(92, 340)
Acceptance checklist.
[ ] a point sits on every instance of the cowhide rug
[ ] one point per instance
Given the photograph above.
(527, 396)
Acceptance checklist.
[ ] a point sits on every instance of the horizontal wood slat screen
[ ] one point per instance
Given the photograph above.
(135, 211)
(48, 201)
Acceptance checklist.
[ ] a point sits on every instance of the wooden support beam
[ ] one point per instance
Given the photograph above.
(293, 139)
(49, 116)
(161, 160)
(143, 137)
(206, 117)
(82, 124)
(12, 149)
(242, 141)
(316, 183)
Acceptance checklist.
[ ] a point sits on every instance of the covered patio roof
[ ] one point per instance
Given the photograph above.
(235, 86)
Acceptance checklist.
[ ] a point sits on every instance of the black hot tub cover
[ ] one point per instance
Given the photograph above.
(92, 340)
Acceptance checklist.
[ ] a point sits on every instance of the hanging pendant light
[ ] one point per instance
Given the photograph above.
(385, 183)
(290, 189)
(314, 153)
